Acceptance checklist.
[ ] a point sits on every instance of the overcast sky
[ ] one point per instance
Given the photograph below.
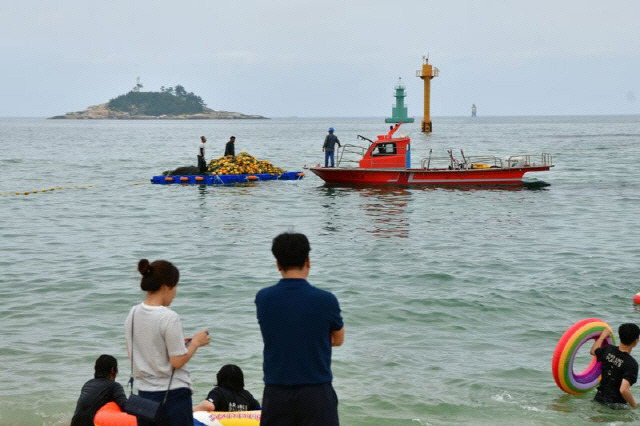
(311, 58)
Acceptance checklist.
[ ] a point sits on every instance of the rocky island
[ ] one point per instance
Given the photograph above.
(172, 103)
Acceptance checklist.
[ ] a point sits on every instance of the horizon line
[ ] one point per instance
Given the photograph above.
(351, 116)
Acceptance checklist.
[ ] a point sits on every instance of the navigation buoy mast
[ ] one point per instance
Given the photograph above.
(426, 74)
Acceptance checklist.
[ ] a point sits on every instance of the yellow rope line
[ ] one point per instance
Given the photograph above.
(51, 189)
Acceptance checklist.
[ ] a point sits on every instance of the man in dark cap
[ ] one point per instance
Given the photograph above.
(329, 145)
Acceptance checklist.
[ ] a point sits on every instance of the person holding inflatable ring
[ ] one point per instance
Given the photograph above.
(619, 368)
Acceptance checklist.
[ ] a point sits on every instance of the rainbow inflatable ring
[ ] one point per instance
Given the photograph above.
(567, 348)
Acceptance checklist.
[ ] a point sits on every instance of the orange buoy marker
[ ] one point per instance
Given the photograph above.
(636, 299)
(252, 178)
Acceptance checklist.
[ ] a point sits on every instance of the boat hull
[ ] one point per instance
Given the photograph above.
(435, 177)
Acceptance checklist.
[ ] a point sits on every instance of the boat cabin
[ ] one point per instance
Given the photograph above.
(388, 152)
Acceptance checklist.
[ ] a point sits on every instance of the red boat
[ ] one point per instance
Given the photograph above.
(387, 161)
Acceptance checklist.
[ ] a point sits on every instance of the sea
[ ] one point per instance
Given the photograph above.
(453, 299)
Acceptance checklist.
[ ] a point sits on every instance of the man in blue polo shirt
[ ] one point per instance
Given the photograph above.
(299, 324)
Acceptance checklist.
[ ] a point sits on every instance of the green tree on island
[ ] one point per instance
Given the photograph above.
(169, 101)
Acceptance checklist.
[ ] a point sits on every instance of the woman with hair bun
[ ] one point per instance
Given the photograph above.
(156, 343)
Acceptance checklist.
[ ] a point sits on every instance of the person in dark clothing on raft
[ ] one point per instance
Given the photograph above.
(230, 148)
(98, 391)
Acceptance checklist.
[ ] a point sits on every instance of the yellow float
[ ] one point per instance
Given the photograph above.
(230, 418)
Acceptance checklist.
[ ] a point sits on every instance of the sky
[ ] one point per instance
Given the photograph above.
(329, 58)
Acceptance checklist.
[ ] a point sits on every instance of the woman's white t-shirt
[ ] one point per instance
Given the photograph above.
(158, 334)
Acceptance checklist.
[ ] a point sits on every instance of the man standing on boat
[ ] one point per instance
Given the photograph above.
(329, 145)
(202, 165)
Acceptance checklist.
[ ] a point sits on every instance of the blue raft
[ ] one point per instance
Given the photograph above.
(224, 179)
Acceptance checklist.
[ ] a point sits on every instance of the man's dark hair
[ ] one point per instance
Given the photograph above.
(628, 332)
(105, 366)
(291, 250)
(230, 376)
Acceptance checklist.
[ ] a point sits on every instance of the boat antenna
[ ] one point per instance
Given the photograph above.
(454, 162)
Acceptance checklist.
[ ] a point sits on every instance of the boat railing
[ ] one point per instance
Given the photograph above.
(354, 154)
(487, 161)
(430, 162)
(529, 160)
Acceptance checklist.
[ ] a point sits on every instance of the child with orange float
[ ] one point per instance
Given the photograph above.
(98, 391)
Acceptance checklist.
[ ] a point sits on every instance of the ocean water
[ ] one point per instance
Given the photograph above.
(453, 299)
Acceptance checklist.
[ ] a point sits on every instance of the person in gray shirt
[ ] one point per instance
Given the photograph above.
(156, 344)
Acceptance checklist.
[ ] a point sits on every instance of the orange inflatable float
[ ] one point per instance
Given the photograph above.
(111, 415)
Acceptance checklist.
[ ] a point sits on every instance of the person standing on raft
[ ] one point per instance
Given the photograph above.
(230, 148)
(619, 368)
(202, 164)
(328, 147)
